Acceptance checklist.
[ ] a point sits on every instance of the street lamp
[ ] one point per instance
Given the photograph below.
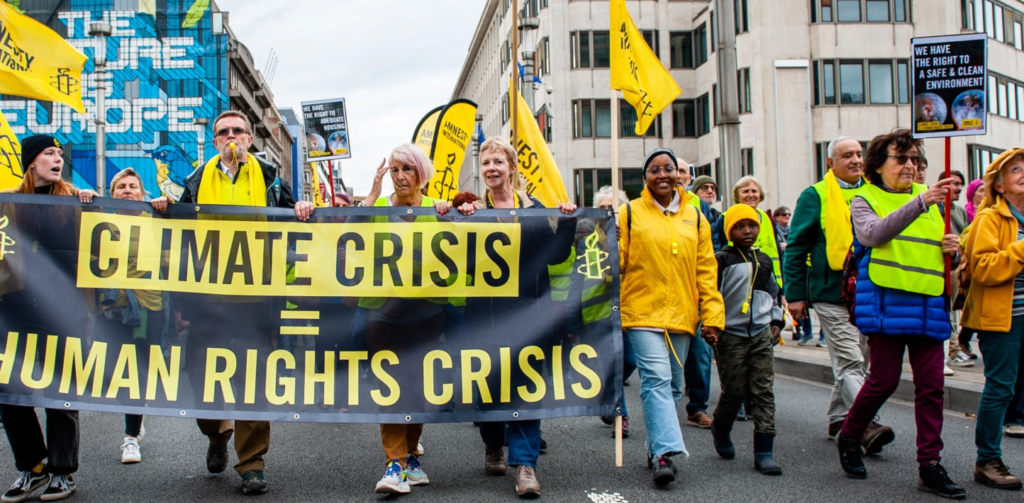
(201, 123)
(101, 31)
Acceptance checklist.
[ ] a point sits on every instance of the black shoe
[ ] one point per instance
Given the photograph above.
(61, 487)
(723, 442)
(543, 446)
(27, 483)
(934, 479)
(217, 458)
(764, 462)
(253, 482)
(609, 420)
(663, 472)
(851, 458)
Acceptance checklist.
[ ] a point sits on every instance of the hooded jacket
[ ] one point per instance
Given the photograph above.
(761, 295)
(996, 257)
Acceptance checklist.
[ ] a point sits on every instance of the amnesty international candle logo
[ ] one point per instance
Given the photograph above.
(5, 240)
(64, 82)
(594, 258)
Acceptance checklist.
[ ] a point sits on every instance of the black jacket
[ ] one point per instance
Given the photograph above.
(279, 192)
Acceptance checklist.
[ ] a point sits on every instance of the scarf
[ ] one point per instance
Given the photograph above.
(216, 188)
(972, 210)
(837, 225)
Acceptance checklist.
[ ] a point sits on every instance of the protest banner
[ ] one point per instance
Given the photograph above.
(371, 315)
(451, 139)
(326, 123)
(949, 86)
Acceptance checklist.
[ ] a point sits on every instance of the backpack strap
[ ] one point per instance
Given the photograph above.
(629, 221)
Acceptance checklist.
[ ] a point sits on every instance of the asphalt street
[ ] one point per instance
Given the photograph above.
(342, 462)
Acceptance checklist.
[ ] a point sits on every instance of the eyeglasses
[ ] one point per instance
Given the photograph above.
(654, 170)
(902, 159)
(783, 215)
(237, 131)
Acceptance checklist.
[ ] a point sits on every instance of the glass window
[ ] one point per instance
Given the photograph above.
(1008, 26)
(701, 36)
(851, 82)
(881, 82)
(632, 182)
(902, 83)
(586, 121)
(603, 113)
(849, 11)
(681, 52)
(817, 84)
(997, 24)
(826, 11)
(602, 52)
(878, 10)
(684, 121)
(1002, 100)
(1011, 99)
(901, 11)
(829, 77)
(584, 49)
(992, 105)
(988, 19)
(1017, 42)
(651, 37)
(1020, 103)
(704, 115)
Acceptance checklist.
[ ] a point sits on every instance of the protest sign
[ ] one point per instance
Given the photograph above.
(326, 123)
(950, 95)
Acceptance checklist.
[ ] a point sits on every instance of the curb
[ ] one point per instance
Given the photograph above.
(959, 396)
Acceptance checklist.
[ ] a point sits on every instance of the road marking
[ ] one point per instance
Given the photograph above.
(605, 497)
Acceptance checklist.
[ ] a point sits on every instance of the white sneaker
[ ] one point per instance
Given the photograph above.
(130, 451)
(946, 370)
(1013, 430)
(961, 360)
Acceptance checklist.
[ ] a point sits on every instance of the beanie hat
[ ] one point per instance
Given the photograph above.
(704, 180)
(737, 213)
(655, 153)
(32, 146)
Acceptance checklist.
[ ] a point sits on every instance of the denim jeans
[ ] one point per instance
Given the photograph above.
(1003, 356)
(697, 371)
(661, 387)
(628, 367)
(523, 440)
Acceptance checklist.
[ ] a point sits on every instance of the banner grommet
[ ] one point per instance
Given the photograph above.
(197, 209)
(296, 416)
(67, 404)
(408, 418)
(515, 414)
(513, 212)
(408, 212)
(182, 413)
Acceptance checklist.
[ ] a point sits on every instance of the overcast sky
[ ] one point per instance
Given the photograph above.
(392, 61)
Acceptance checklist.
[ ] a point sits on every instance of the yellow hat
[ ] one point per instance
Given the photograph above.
(739, 212)
(992, 172)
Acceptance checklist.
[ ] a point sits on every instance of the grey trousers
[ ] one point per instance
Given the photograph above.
(848, 350)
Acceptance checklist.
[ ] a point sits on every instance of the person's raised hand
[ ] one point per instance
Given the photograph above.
(378, 182)
(86, 195)
(567, 208)
(936, 193)
(467, 209)
(160, 203)
(304, 210)
(442, 207)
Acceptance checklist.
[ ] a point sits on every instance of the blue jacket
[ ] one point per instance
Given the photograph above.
(880, 310)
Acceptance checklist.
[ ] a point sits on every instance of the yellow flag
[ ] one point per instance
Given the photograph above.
(424, 135)
(451, 139)
(637, 71)
(543, 180)
(10, 157)
(36, 63)
(195, 13)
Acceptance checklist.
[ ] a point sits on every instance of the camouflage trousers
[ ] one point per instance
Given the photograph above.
(746, 369)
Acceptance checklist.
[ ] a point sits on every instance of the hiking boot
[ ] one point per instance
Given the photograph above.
(851, 458)
(876, 437)
(723, 442)
(394, 480)
(699, 419)
(27, 483)
(494, 461)
(130, 451)
(414, 472)
(217, 458)
(663, 472)
(996, 474)
(934, 479)
(834, 429)
(1014, 430)
(625, 428)
(764, 461)
(254, 482)
(527, 486)
(61, 486)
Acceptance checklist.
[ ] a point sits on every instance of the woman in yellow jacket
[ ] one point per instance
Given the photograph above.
(669, 286)
(995, 308)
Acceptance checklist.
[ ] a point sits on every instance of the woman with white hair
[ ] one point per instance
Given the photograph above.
(603, 198)
(748, 191)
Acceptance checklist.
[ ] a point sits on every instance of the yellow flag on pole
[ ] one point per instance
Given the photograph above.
(36, 63)
(637, 71)
(10, 157)
(424, 135)
(451, 139)
(543, 180)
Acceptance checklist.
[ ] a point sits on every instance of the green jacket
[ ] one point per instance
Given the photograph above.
(814, 282)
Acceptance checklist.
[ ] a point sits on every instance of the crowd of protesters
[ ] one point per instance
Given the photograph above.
(865, 249)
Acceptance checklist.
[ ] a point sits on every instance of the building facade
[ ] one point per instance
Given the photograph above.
(169, 62)
(808, 71)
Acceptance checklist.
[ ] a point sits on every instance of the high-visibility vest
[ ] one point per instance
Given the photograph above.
(559, 276)
(912, 261)
(822, 189)
(766, 243)
(694, 201)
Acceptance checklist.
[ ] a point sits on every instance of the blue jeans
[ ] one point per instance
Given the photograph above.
(697, 370)
(1003, 356)
(661, 387)
(523, 440)
(628, 367)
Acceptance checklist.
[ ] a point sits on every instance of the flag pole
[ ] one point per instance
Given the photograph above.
(615, 197)
(513, 96)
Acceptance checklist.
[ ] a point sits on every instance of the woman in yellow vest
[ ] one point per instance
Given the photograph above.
(748, 191)
(901, 304)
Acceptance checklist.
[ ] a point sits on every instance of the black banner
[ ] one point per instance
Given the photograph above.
(359, 315)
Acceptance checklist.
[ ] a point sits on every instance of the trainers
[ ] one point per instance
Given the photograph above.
(996, 474)
(1014, 430)
(494, 461)
(526, 482)
(834, 429)
(946, 371)
(961, 360)
(699, 419)
(805, 341)
(217, 458)
(414, 472)
(821, 343)
(934, 479)
(851, 458)
(27, 483)
(625, 428)
(663, 472)
(130, 451)
(876, 437)
(61, 486)
(253, 482)
(394, 480)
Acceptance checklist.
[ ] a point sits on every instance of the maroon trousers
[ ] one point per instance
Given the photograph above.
(886, 366)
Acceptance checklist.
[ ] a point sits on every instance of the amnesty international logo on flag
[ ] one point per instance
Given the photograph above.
(536, 164)
(637, 71)
(451, 139)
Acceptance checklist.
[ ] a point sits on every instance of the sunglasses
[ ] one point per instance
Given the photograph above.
(783, 215)
(237, 131)
(902, 159)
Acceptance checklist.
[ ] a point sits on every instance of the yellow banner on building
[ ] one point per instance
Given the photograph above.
(36, 63)
(536, 164)
(423, 137)
(253, 257)
(451, 139)
(11, 171)
(637, 71)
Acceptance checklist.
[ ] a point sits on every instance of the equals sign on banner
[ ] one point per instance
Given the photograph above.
(299, 322)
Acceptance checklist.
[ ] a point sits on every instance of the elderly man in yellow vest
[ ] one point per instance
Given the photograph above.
(236, 177)
(820, 235)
